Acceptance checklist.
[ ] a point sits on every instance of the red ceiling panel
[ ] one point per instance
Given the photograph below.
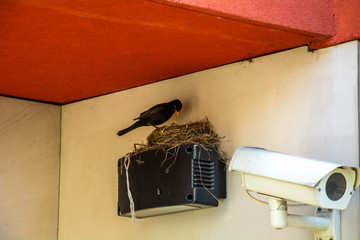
(65, 51)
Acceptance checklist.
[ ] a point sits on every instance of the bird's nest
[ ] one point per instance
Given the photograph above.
(166, 138)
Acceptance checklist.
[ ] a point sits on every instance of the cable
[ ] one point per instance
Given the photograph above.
(132, 205)
(255, 199)
(264, 202)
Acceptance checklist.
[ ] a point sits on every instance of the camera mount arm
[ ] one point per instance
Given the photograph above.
(326, 224)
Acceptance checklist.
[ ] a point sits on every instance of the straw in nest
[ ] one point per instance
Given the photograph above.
(168, 137)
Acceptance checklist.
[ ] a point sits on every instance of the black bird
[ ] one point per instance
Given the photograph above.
(156, 115)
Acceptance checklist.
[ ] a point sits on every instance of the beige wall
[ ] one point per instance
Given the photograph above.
(29, 169)
(295, 102)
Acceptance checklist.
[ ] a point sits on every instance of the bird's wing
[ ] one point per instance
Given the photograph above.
(155, 109)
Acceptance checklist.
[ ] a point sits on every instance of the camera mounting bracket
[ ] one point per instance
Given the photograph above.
(325, 223)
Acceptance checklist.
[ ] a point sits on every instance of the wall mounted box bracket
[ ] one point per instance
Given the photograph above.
(178, 181)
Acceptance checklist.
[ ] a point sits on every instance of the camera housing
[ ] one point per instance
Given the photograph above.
(277, 175)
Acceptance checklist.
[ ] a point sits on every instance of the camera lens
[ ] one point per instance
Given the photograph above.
(336, 186)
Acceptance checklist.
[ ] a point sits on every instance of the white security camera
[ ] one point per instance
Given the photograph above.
(282, 177)
(322, 184)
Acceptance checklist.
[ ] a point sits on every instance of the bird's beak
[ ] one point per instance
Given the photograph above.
(177, 113)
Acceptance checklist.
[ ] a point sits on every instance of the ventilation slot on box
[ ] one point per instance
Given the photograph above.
(202, 174)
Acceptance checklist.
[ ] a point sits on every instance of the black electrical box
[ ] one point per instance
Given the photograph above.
(188, 177)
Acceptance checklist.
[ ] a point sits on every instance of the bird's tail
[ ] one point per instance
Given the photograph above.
(132, 127)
